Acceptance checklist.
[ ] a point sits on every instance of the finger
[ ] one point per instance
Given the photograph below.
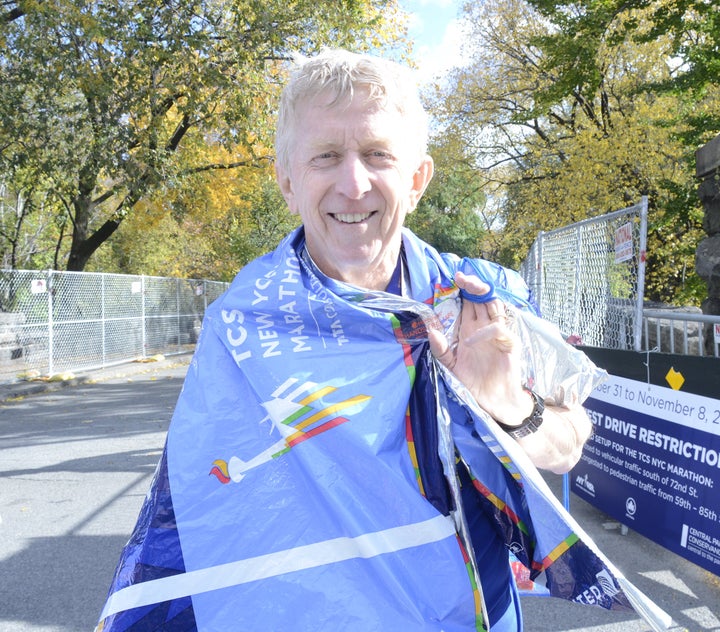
(471, 284)
(440, 347)
(495, 311)
(484, 312)
(497, 335)
(471, 311)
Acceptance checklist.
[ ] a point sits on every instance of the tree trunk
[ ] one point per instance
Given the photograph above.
(84, 243)
(82, 249)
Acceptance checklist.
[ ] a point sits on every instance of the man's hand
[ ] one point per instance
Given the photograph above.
(485, 356)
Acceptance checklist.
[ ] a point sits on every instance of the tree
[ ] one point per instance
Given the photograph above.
(567, 131)
(451, 215)
(102, 98)
(585, 27)
(208, 227)
(11, 11)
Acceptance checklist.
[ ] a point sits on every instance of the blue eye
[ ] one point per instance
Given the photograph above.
(380, 156)
(326, 157)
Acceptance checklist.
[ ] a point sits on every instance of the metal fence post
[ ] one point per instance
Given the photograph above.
(539, 271)
(177, 313)
(578, 280)
(143, 325)
(51, 351)
(103, 331)
(637, 330)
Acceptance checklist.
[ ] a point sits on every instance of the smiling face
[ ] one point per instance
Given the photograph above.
(353, 175)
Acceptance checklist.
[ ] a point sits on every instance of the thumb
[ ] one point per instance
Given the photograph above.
(440, 347)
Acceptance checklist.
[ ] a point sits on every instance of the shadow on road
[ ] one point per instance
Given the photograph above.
(59, 581)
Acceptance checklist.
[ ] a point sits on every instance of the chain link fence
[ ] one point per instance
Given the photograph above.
(53, 322)
(588, 278)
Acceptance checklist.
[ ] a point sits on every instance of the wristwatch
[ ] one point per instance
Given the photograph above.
(530, 424)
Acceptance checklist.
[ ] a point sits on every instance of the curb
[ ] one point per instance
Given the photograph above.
(18, 390)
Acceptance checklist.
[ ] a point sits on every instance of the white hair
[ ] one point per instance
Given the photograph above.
(341, 72)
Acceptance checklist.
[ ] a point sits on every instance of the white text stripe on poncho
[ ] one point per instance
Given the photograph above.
(278, 563)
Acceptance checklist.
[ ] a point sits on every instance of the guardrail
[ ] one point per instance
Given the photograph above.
(681, 332)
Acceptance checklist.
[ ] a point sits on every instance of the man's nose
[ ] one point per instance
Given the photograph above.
(354, 178)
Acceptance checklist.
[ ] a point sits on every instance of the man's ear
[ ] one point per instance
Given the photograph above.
(421, 179)
(286, 188)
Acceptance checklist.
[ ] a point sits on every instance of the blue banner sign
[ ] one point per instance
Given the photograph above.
(653, 463)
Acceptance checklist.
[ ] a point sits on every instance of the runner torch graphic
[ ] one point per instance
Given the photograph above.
(296, 420)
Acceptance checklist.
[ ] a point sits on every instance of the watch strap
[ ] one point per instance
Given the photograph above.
(530, 424)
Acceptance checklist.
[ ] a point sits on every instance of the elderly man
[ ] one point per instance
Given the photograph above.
(356, 397)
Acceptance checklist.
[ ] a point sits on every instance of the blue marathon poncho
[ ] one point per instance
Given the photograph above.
(296, 489)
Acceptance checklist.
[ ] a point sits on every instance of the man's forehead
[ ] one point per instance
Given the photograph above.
(341, 141)
(351, 118)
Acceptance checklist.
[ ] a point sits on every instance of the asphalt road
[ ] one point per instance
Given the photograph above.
(75, 464)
